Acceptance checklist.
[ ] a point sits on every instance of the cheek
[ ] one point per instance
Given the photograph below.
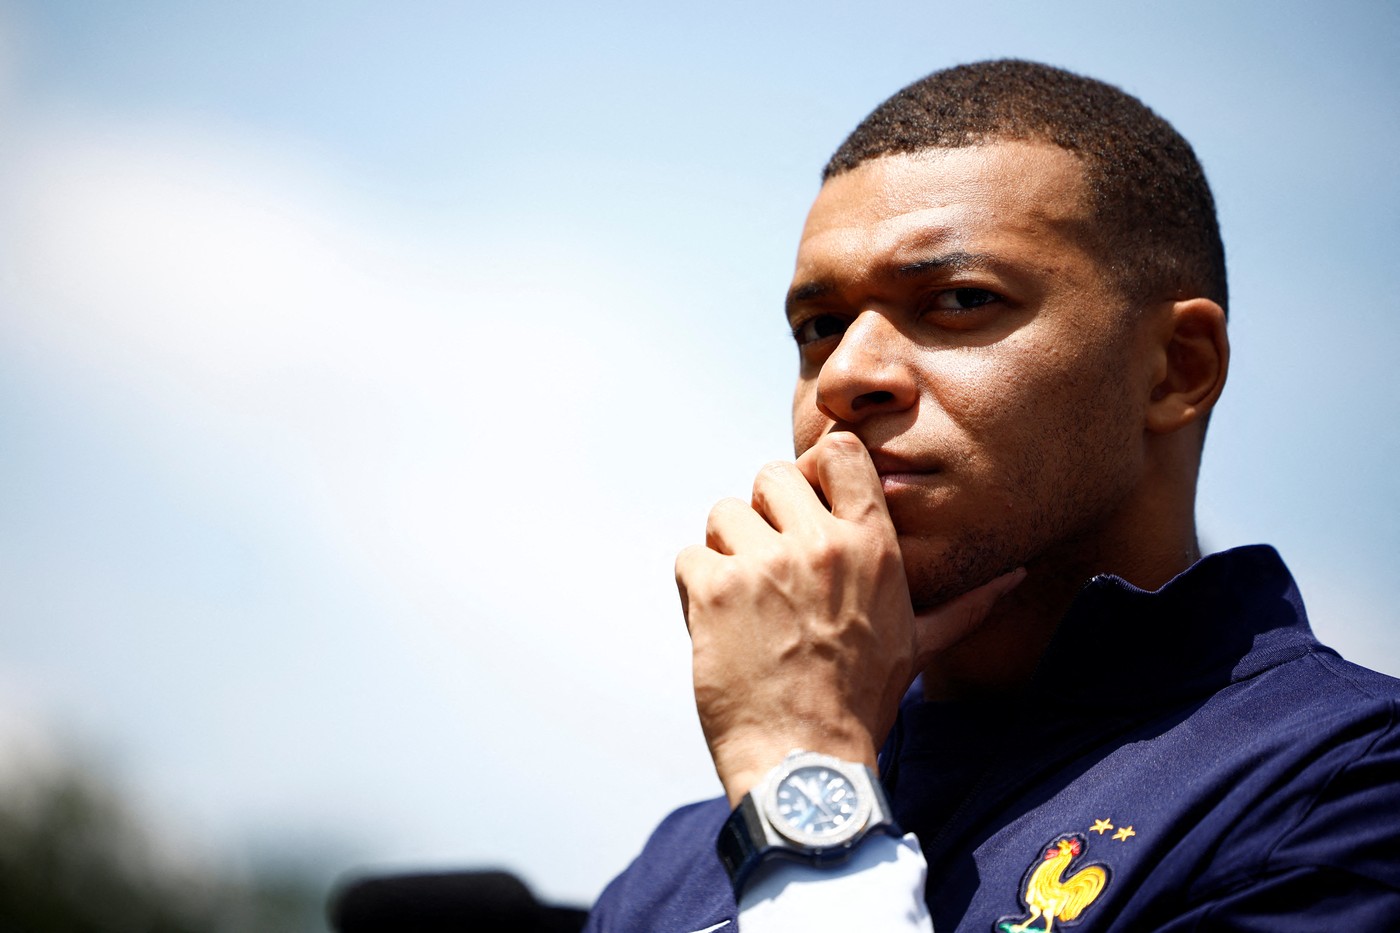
(808, 423)
(1035, 420)
(1064, 425)
(998, 398)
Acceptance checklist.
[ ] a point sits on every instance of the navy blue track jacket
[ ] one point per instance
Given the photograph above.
(1195, 748)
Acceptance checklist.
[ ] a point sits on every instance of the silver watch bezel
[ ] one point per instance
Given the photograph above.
(855, 775)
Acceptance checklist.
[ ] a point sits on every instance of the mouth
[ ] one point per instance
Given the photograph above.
(897, 483)
(897, 473)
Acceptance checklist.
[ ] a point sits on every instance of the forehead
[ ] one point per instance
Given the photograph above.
(1023, 197)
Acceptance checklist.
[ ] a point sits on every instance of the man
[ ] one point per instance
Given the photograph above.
(1009, 306)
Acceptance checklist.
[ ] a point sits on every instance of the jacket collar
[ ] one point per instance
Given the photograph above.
(1121, 651)
(1223, 620)
(1122, 657)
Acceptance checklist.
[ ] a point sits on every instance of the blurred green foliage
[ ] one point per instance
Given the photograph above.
(74, 859)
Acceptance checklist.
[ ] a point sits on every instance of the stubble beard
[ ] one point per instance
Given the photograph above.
(1053, 502)
(1055, 525)
(938, 574)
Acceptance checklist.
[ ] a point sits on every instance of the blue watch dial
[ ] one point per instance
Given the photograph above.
(815, 800)
(813, 808)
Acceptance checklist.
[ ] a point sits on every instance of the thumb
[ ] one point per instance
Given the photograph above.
(947, 623)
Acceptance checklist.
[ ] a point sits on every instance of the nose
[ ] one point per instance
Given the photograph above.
(868, 373)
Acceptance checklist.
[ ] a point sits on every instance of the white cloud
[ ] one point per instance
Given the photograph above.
(486, 454)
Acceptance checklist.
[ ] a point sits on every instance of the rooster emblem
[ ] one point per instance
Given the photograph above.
(1050, 895)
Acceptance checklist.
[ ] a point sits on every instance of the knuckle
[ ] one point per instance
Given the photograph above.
(685, 561)
(724, 507)
(843, 444)
(774, 471)
(724, 581)
(775, 468)
(825, 549)
(710, 585)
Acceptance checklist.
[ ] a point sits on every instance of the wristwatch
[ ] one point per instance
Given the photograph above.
(812, 808)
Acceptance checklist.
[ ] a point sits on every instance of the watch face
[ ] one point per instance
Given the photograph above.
(817, 805)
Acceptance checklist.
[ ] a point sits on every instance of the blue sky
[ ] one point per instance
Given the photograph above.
(363, 366)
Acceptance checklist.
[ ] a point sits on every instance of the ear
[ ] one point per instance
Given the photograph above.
(1192, 360)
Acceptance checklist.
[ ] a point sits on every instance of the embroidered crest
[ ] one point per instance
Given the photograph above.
(1051, 892)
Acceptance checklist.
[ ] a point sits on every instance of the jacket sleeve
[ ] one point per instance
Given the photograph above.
(1300, 900)
(1336, 868)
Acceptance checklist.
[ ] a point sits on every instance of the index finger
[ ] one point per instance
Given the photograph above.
(847, 478)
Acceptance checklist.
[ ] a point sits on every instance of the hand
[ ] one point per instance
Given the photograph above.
(799, 614)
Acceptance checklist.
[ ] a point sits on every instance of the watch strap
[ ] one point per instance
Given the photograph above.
(747, 839)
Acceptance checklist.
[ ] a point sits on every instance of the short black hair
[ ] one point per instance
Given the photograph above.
(1154, 213)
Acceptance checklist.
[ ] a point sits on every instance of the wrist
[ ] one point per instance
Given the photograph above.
(737, 786)
(741, 768)
(811, 808)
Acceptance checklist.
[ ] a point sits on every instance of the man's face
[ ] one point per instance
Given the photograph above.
(950, 311)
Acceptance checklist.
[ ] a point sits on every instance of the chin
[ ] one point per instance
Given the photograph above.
(938, 569)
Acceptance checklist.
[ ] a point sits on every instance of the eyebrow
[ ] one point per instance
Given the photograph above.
(955, 261)
(809, 291)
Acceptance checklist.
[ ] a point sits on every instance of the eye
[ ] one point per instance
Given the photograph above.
(818, 328)
(962, 299)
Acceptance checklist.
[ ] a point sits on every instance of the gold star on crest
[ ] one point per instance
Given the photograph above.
(1123, 834)
(1100, 827)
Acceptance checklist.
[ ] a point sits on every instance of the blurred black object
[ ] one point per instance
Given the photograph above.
(449, 902)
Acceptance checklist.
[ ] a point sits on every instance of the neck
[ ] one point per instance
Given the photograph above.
(1154, 543)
